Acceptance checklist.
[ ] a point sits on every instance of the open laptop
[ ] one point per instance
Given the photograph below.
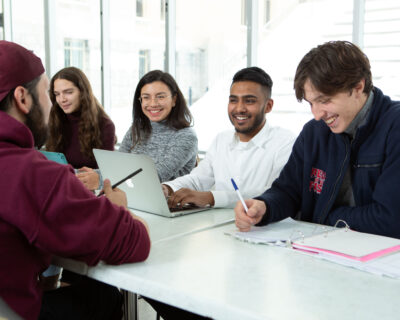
(143, 191)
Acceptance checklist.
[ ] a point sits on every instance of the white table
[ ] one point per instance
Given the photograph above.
(162, 228)
(216, 275)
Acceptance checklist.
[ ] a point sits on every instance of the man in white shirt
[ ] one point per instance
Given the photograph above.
(253, 155)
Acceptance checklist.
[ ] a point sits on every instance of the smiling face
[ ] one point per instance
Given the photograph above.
(337, 111)
(67, 95)
(156, 101)
(248, 104)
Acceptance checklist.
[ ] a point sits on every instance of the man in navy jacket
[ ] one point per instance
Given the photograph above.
(345, 164)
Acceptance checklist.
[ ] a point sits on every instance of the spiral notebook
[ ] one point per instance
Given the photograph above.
(362, 251)
(344, 243)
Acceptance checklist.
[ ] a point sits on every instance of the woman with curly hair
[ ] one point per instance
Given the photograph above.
(78, 123)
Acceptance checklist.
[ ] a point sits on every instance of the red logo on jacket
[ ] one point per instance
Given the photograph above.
(318, 177)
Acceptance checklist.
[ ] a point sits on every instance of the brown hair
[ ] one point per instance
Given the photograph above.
(92, 115)
(333, 67)
(179, 117)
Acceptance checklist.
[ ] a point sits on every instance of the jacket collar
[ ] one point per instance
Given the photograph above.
(361, 117)
(14, 132)
(379, 106)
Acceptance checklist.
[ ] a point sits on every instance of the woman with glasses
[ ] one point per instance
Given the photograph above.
(161, 126)
(78, 123)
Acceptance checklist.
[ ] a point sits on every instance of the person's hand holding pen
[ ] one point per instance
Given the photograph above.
(115, 195)
(247, 212)
(118, 197)
(121, 181)
(255, 212)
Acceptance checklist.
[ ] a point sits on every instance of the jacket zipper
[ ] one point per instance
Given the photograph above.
(375, 165)
(325, 214)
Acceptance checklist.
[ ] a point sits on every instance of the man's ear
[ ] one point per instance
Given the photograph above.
(270, 104)
(23, 100)
(359, 88)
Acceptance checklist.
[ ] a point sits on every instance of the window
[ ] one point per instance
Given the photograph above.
(1, 21)
(382, 44)
(162, 9)
(133, 55)
(78, 39)
(244, 13)
(76, 53)
(267, 11)
(144, 62)
(139, 8)
(207, 56)
(297, 21)
(194, 60)
(1, 24)
(211, 41)
(28, 25)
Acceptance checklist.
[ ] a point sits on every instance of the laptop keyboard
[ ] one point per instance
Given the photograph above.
(185, 207)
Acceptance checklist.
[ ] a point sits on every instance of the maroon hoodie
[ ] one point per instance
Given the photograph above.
(45, 210)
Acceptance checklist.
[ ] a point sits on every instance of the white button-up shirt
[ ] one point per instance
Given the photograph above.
(254, 165)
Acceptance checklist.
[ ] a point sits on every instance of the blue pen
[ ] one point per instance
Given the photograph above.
(239, 195)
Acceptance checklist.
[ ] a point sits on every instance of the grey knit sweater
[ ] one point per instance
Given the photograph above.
(173, 151)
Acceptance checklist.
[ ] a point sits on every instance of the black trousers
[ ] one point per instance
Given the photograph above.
(84, 299)
(168, 312)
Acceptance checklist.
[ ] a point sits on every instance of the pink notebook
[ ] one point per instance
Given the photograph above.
(348, 244)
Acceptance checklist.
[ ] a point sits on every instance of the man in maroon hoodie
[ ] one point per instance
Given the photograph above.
(45, 210)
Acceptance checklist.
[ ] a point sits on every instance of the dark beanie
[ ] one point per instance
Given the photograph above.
(17, 66)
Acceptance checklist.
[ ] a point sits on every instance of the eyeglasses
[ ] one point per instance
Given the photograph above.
(160, 98)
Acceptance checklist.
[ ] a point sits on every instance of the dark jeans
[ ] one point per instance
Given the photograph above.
(168, 312)
(85, 299)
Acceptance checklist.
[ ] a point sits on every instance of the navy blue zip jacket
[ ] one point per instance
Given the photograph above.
(310, 181)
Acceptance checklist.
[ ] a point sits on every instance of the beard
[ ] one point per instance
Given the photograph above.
(36, 123)
(258, 120)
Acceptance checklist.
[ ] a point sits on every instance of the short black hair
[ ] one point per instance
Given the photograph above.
(254, 74)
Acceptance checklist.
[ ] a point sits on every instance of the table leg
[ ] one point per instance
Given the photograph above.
(130, 305)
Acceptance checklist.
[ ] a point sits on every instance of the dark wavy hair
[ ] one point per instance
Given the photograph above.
(179, 117)
(92, 115)
(333, 67)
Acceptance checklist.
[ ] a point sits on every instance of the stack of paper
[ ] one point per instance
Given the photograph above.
(363, 251)
(278, 233)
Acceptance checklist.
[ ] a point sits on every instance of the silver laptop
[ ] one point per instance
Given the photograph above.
(143, 191)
